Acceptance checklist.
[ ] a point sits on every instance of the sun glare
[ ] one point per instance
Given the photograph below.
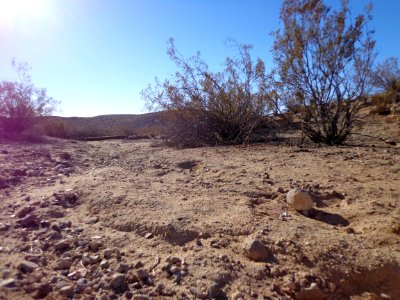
(22, 10)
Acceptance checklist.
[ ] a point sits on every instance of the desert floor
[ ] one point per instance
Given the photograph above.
(131, 220)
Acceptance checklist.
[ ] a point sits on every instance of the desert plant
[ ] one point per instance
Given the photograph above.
(21, 103)
(53, 128)
(205, 108)
(322, 59)
(385, 78)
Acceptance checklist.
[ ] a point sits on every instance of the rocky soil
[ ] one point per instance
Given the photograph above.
(128, 220)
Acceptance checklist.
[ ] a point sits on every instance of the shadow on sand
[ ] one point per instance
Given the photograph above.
(328, 218)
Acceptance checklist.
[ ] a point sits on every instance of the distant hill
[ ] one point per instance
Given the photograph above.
(123, 124)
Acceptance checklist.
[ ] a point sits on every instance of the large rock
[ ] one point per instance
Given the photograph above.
(256, 250)
(299, 200)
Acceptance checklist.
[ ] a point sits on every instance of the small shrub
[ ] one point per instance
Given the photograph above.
(54, 128)
(22, 103)
(382, 104)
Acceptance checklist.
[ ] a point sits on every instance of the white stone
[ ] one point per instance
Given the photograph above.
(299, 200)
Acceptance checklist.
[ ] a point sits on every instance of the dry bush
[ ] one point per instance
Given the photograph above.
(54, 128)
(21, 103)
(385, 78)
(382, 104)
(323, 60)
(205, 108)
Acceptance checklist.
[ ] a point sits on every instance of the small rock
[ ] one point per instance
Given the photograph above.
(4, 227)
(65, 225)
(55, 213)
(311, 293)
(67, 291)
(215, 292)
(43, 290)
(104, 264)
(142, 274)
(55, 235)
(25, 211)
(123, 268)
(82, 283)
(256, 250)
(95, 246)
(148, 235)
(299, 200)
(64, 264)
(66, 199)
(108, 253)
(332, 287)
(173, 260)
(94, 259)
(9, 283)
(118, 283)
(92, 220)
(27, 266)
(31, 221)
(62, 245)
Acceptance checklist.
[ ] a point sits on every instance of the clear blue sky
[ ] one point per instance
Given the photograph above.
(95, 56)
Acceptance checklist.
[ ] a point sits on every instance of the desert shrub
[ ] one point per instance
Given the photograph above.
(205, 108)
(323, 60)
(54, 128)
(385, 77)
(21, 103)
(382, 104)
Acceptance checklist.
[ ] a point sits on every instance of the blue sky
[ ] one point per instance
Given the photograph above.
(95, 56)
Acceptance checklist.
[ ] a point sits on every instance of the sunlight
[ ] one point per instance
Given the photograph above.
(21, 10)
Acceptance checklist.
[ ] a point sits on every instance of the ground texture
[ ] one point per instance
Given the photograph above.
(130, 220)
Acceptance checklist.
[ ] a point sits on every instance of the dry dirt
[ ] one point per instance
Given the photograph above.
(124, 219)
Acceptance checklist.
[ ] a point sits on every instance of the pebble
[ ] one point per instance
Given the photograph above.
(173, 260)
(82, 283)
(123, 268)
(64, 264)
(62, 245)
(67, 291)
(4, 227)
(107, 253)
(95, 246)
(55, 213)
(55, 235)
(118, 283)
(25, 211)
(43, 290)
(256, 250)
(104, 264)
(215, 292)
(142, 274)
(311, 293)
(9, 283)
(92, 220)
(27, 266)
(29, 221)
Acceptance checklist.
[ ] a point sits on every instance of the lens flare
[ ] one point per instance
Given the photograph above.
(21, 10)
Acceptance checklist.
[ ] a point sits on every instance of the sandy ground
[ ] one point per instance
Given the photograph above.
(126, 219)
